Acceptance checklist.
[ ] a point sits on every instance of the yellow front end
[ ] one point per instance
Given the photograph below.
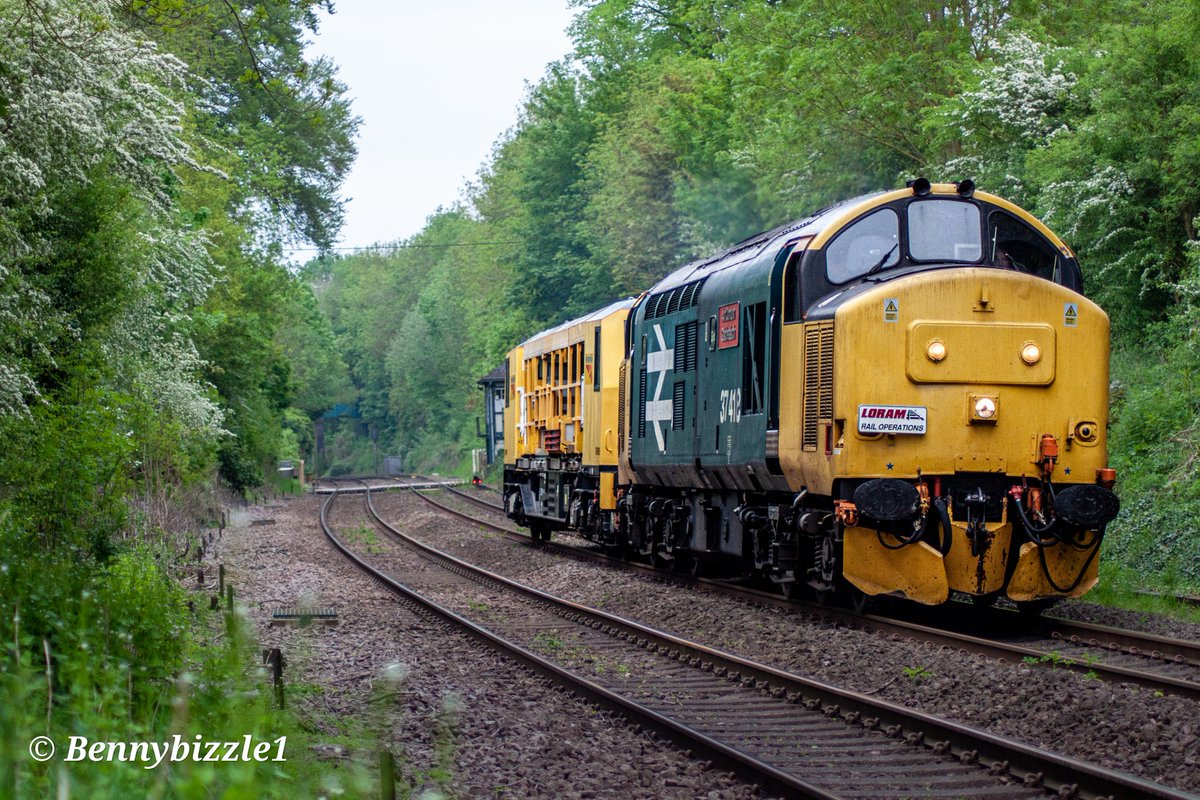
(995, 361)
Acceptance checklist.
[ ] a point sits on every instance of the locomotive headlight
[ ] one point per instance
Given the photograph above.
(1031, 353)
(985, 408)
(935, 351)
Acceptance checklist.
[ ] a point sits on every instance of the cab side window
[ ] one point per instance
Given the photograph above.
(1014, 245)
(872, 243)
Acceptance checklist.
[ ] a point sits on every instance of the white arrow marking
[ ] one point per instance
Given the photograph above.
(659, 410)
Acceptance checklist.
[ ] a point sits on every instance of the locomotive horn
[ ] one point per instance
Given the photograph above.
(965, 187)
(921, 186)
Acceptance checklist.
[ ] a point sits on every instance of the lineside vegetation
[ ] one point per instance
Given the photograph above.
(156, 157)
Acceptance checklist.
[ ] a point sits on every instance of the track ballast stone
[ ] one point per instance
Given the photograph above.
(1118, 726)
(505, 732)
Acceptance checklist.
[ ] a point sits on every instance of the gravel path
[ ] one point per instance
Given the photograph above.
(499, 730)
(1115, 725)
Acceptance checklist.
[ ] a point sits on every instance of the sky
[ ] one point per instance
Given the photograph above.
(436, 84)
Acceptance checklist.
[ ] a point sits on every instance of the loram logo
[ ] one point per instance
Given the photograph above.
(891, 419)
(891, 412)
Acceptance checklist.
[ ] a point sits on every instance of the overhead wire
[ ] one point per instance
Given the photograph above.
(357, 248)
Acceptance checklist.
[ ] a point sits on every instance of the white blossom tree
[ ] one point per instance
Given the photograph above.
(81, 99)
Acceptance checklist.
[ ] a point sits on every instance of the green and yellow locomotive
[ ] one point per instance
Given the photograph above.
(905, 393)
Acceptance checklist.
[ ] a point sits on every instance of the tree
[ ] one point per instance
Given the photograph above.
(281, 119)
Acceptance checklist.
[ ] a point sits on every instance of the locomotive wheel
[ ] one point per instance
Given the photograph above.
(539, 531)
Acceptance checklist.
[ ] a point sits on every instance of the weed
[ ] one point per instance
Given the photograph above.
(917, 673)
(1057, 659)
(1054, 659)
(546, 643)
(366, 538)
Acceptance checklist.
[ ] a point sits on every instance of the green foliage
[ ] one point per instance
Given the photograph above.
(540, 177)
(65, 473)
(113, 647)
(319, 376)
(142, 345)
(418, 326)
(1155, 445)
(284, 116)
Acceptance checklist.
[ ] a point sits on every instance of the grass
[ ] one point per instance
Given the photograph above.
(1125, 588)
(364, 538)
(546, 643)
(219, 692)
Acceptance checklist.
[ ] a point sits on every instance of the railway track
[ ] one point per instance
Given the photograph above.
(1100, 652)
(790, 734)
(479, 501)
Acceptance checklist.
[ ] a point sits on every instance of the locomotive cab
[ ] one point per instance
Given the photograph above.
(966, 381)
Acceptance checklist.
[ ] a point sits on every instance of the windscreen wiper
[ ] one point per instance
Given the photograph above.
(879, 264)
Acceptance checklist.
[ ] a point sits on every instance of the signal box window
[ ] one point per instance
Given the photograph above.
(944, 230)
(1014, 245)
(869, 245)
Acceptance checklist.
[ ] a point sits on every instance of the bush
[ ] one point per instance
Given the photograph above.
(1155, 446)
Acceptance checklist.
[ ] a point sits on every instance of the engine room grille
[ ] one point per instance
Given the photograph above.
(680, 298)
(685, 346)
(818, 381)
(677, 410)
(642, 404)
(621, 409)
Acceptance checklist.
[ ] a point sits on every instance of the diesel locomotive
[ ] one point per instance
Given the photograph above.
(905, 393)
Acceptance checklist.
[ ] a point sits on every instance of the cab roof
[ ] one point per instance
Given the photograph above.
(826, 221)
